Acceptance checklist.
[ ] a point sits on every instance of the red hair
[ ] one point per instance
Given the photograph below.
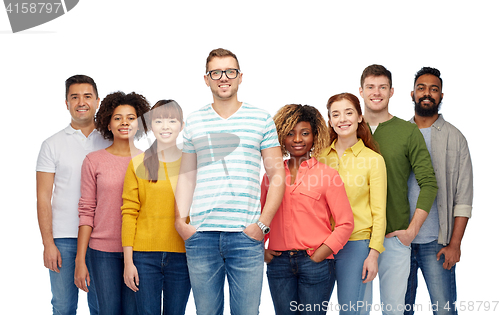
(363, 131)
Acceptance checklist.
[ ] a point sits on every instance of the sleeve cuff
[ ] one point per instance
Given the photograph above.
(462, 211)
(379, 247)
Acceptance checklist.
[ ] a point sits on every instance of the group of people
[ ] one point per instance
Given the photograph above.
(341, 201)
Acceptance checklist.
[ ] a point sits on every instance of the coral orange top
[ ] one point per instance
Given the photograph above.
(303, 219)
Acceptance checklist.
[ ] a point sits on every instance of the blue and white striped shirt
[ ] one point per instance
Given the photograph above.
(227, 193)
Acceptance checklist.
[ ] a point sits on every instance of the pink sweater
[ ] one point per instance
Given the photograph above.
(100, 204)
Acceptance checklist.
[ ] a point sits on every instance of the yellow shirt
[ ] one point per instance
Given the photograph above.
(365, 180)
(148, 215)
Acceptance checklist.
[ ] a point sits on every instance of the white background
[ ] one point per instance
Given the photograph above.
(289, 52)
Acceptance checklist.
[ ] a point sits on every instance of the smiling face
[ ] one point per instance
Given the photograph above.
(223, 89)
(123, 123)
(376, 92)
(166, 130)
(427, 95)
(82, 104)
(344, 119)
(300, 140)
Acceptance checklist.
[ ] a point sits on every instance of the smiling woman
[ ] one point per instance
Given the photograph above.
(123, 123)
(301, 241)
(103, 174)
(154, 253)
(134, 101)
(353, 154)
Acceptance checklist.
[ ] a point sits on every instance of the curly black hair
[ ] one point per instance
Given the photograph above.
(112, 101)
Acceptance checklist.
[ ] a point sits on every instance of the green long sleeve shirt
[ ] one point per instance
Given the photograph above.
(403, 148)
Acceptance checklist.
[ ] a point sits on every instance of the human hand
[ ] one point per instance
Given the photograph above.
(52, 257)
(131, 277)
(269, 255)
(254, 231)
(451, 255)
(184, 229)
(321, 253)
(370, 266)
(405, 236)
(82, 277)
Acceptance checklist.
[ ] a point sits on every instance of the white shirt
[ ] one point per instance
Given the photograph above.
(63, 154)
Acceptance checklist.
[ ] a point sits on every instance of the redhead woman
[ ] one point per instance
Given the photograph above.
(353, 153)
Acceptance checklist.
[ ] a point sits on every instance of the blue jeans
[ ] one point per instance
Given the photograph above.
(212, 255)
(348, 271)
(440, 282)
(114, 297)
(162, 272)
(62, 284)
(393, 272)
(299, 285)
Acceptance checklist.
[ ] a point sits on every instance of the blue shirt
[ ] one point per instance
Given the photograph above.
(430, 229)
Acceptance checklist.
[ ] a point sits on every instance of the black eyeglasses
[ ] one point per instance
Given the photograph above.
(217, 74)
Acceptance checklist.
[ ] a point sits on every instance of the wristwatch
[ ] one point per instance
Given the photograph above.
(265, 229)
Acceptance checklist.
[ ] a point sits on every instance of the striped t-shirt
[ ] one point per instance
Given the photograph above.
(227, 193)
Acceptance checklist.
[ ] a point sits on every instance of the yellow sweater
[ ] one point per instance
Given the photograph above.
(148, 208)
(365, 180)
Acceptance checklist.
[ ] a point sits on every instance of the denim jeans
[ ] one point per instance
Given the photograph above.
(210, 256)
(393, 272)
(348, 271)
(299, 285)
(64, 290)
(162, 272)
(114, 297)
(440, 282)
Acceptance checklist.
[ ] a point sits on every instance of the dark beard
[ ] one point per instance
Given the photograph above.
(426, 111)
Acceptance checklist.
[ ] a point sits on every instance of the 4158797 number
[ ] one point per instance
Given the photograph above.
(33, 8)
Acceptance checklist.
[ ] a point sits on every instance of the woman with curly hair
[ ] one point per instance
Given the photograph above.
(154, 252)
(103, 173)
(354, 154)
(301, 242)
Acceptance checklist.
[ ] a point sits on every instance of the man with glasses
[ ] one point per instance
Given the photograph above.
(219, 189)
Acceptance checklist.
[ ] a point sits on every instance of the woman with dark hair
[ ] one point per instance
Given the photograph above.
(103, 173)
(301, 242)
(354, 154)
(154, 252)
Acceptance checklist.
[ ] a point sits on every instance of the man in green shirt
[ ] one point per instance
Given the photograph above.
(404, 149)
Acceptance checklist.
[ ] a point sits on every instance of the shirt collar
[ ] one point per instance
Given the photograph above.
(70, 131)
(356, 148)
(438, 124)
(309, 163)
